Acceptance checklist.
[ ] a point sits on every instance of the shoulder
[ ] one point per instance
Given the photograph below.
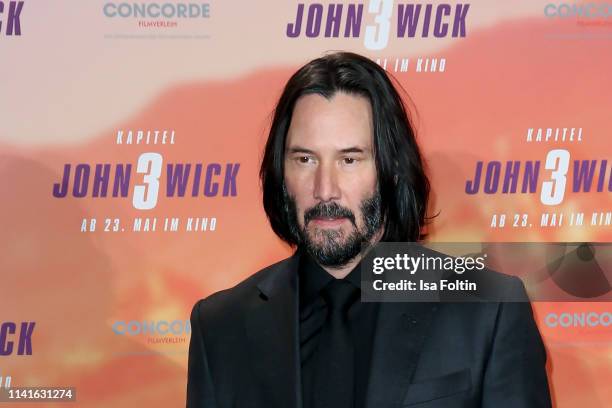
(233, 300)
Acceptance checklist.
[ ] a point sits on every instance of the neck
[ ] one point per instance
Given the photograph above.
(342, 272)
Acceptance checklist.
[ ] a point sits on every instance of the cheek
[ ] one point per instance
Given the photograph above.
(300, 192)
(291, 184)
(299, 185)
(359, 190)
(359, 187)
(372, 178)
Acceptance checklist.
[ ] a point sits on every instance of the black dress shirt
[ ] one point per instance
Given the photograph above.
(313, 312)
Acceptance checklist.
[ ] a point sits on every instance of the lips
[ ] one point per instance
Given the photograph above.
(328, 221)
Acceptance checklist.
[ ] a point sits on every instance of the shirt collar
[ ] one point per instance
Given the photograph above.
(313, 277)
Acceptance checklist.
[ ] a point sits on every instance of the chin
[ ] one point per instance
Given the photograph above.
(317, 234)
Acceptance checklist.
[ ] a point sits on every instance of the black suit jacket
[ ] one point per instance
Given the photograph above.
(244, 350)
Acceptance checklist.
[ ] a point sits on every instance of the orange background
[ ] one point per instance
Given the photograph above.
(67, 89)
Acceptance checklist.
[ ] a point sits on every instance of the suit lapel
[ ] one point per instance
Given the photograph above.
(272, 333)
(401, 330)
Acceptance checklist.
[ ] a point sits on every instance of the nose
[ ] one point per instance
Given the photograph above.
(326, 183)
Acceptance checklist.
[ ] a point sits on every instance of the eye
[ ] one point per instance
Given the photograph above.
(303, 159)
(350, 160)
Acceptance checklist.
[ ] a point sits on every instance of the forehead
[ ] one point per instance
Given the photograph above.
(340, 122)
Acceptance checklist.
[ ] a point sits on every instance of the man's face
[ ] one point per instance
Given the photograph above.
(330, 176)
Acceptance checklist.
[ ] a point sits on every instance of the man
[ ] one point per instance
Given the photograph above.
(341, 171)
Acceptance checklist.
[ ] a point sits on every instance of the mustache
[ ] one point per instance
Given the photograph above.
(332, 210)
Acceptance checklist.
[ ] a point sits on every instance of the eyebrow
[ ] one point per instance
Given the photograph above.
(300, 149)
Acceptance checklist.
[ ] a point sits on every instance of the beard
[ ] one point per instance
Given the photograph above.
(331, 247)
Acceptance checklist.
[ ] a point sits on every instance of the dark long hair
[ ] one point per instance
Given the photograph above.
(402, 182)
